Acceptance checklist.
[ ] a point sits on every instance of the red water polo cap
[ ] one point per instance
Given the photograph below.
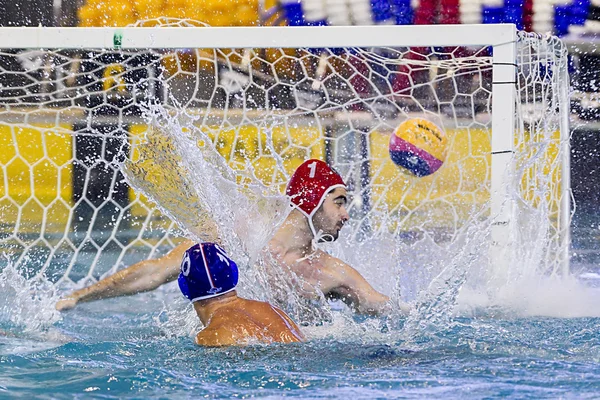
(309, 185)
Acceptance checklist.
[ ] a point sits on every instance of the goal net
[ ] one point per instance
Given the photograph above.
(79, 107)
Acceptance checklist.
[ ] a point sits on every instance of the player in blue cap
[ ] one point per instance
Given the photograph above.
(208, 279)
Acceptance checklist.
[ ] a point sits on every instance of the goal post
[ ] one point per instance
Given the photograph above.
(508, 95)
(493, 35)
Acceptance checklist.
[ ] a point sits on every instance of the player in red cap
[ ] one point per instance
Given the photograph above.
(318, 195)
(308, 188)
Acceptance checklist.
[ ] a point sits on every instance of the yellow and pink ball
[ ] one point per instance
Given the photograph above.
(418, 147)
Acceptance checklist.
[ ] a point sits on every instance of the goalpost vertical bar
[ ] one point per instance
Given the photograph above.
(504, 75)
(565, 173)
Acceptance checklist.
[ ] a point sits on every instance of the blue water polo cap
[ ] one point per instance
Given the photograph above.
(206, 271)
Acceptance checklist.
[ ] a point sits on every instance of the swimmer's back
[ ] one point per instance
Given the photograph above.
(244, 321)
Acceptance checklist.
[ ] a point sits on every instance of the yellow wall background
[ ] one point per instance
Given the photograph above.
(461, 186)
(213, 12)
(36, 173)
(241, 144)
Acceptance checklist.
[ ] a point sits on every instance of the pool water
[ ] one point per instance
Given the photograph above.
(142, 346)
(126, 348)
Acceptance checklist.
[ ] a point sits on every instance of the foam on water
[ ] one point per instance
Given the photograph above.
(26, 303)
(196, 188)
(27, 313)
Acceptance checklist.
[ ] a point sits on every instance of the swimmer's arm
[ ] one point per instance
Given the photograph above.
(141, 277)
(354, 290)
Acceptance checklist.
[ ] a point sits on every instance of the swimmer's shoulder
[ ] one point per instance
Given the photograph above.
(275, 247)
(334, 268)
(225, 328)
(228, 315)
(255, 306)
(250, 312)
(241, 315)
(328, 260)
(216, 337)
(337, 276)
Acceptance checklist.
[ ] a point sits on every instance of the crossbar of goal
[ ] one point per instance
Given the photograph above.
(501, 37)
(257, 37)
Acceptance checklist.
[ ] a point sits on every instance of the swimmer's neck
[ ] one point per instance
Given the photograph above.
(294, 235)
(206, 308)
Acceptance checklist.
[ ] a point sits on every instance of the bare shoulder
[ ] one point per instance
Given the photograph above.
(336, 268)
(254, 305)
(339, 277)
(223, 328)
(229, 316)
(215, 337)
(275, 248)
(243, 315)
(251, 314)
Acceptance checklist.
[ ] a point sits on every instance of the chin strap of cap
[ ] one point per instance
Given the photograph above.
(318, 236)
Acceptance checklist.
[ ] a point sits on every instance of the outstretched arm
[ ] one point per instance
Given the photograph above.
(348, 285)
(141, 277)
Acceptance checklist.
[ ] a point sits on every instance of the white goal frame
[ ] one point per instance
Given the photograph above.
(501, 37)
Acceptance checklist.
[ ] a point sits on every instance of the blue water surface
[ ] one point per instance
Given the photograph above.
(117, 349)
(128, 348)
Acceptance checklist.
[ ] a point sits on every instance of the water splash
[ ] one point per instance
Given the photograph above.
(442, 277)
(531, 284)
(181, 170)
(548, 296)
(27, 304)
(178, 167)
(178, 318)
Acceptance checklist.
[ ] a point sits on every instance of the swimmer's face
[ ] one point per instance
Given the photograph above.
(332, 215)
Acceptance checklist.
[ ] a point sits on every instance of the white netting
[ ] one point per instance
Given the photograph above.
(542, 154)
(69, 118)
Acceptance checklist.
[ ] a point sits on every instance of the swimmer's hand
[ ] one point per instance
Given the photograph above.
(66, 303)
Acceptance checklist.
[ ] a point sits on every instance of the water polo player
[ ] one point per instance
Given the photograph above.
(208, 279)
(318, 195)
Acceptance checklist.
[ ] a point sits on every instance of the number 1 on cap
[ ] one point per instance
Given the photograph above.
(313, 169)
